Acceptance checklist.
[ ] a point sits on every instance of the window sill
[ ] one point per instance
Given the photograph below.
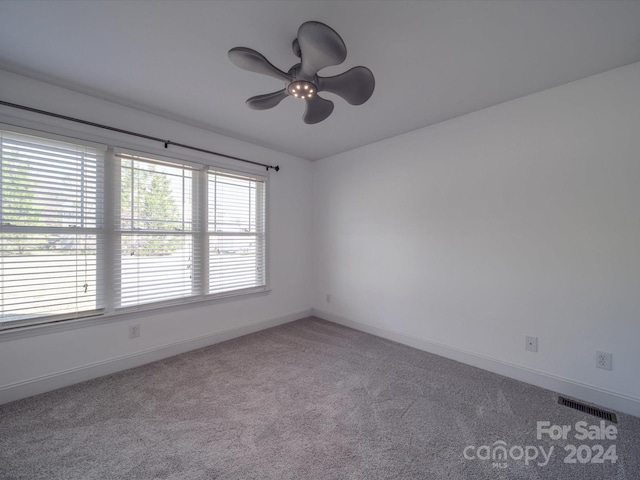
(102, 319)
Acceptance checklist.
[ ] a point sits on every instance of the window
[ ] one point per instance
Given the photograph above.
(51, 230)
(86, 231)
(235, 232)
(156, 229)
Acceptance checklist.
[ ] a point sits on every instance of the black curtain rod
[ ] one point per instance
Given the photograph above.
(141, 135)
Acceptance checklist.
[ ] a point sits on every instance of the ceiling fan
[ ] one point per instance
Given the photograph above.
(318, 46)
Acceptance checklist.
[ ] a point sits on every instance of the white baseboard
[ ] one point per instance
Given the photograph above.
(46, 383)
(564, 386)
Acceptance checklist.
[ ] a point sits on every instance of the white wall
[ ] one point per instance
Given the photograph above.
(37, 363)
(462, 238)
(520, 219)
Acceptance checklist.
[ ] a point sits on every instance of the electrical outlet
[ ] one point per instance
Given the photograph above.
(134, 331)
(531, 343)
(328, 298)
(603, 360)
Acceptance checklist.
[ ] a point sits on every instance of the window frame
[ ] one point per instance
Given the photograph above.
(106, 271)
(119, 232)
(261, 230)
(46, 144)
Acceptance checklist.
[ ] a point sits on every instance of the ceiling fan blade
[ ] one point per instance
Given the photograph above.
(320, 47)
(355, 85)
(269, 100)
(317, 110)
(250, 60)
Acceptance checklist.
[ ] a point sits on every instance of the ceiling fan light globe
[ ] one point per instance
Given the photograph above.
(301, 89)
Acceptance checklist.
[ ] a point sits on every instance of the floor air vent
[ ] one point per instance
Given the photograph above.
(597, 412)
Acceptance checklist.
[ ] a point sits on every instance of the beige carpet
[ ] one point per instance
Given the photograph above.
(306, 400)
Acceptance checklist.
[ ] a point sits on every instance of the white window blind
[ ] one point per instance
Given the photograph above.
(157, 222)
(236, 232)
(51, 229)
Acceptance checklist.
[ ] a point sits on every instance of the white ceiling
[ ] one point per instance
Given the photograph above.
(433, 60)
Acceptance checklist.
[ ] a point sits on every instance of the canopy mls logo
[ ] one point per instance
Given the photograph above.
(500, 454)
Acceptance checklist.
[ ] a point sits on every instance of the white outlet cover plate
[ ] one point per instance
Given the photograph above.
(134, 331)
(531, 343)
(603, 360)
